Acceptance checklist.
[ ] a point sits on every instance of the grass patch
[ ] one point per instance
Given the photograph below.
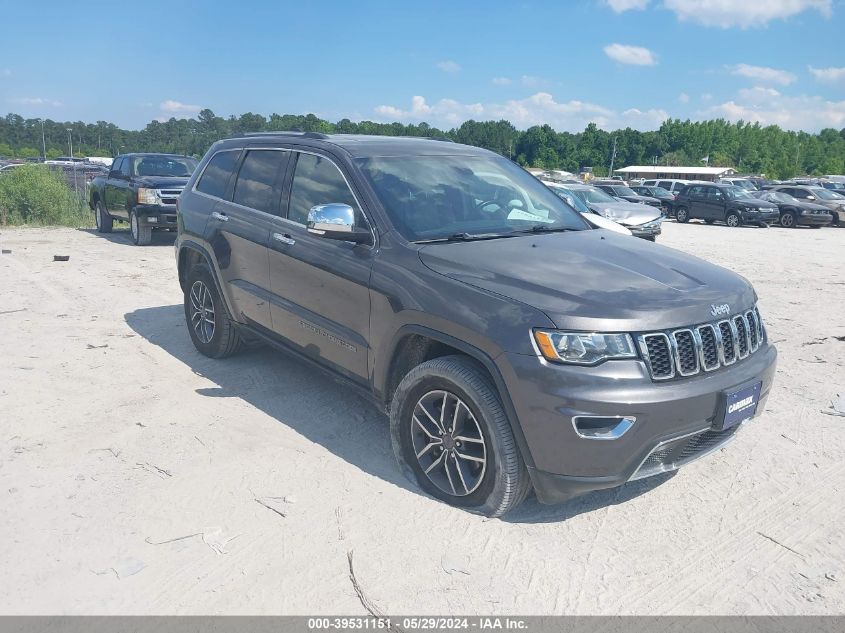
(38, 196)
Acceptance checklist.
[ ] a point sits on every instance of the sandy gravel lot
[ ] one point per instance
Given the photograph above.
(116, 437)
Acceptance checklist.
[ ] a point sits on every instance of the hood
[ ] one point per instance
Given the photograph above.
(162, 182)
(626, 213)
(644, 199)
(595, 280)
(755, 202)
(601, 222)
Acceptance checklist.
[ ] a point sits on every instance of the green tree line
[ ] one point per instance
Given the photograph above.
(749, 147)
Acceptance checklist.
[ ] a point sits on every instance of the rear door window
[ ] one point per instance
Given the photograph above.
(215, 178)
(258, 185)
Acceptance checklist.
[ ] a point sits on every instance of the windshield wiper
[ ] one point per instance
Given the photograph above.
(464, 237)
(545, 228)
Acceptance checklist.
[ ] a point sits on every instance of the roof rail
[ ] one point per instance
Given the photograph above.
(289, 133)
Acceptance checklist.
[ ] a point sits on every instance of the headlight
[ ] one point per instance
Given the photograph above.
(656, 222)
(583, 348)
(147, 196)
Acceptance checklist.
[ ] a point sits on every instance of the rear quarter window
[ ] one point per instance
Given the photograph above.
(215, 178)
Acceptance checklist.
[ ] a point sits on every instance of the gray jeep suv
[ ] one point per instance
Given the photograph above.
(513, 346)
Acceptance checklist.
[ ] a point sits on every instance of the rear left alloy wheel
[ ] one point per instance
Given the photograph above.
(451, 435)
(105, 222)
(733, 220)
(212, 330)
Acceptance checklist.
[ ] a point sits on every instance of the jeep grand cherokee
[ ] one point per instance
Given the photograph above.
(513, 346)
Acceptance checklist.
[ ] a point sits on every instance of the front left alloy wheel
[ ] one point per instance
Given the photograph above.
(142, 234)
(451, 436)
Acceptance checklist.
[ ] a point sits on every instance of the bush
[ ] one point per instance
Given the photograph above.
(34, 194)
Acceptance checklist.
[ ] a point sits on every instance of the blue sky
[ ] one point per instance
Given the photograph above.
(615, 62)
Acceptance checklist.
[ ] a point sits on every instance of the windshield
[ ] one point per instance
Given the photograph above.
(173, 166)
(733, 192)
(438, 197)
(624, 191)
(824, 194)
(779, 196)
(571, 199)
(591, 194)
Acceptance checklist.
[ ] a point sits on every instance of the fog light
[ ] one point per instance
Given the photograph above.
(592, 427)
(152, 219)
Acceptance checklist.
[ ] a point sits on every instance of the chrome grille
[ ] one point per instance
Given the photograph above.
(709, 347)
(686, 352)
(168, 196)
(728, 342)
(659, 355)
(741, 335)
(705, 347)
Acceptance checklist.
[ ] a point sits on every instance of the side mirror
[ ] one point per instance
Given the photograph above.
(336, 222)
(114, 174)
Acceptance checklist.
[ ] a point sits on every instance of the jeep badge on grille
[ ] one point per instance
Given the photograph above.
(720, 309)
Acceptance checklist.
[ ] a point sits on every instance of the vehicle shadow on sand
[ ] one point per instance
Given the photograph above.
(121, 236)
(326, 410)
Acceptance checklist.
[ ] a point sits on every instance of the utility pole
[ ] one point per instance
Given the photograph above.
(612, 158)
(43, 141)
(73, 163)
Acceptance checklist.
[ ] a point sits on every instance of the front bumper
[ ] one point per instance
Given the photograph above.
(157, 215)
(749, 217)
(563, 464)
(822, 219)
(644, 231)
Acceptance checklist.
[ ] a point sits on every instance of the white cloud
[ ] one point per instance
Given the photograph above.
(743, 13)
(626, 5)
(763, 74)
(36, 101)
(683, 97)
(769, 107)
(449, 66)
(502, 81)
(634, 55)
(177, 107)
(538, 109)
(828, 75)
(531, 80)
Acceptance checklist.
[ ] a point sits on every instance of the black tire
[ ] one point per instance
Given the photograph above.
(788, 221)
(682, 215)
(104, 221)
(733, 220)
(503, 481)
(709, 221)
(815, 226)
(142, 234)
(222, 338)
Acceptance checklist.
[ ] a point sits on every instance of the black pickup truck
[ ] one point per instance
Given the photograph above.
(140, 189)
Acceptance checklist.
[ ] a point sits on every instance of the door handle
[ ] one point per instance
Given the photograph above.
(284, 238)
(220, 216)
